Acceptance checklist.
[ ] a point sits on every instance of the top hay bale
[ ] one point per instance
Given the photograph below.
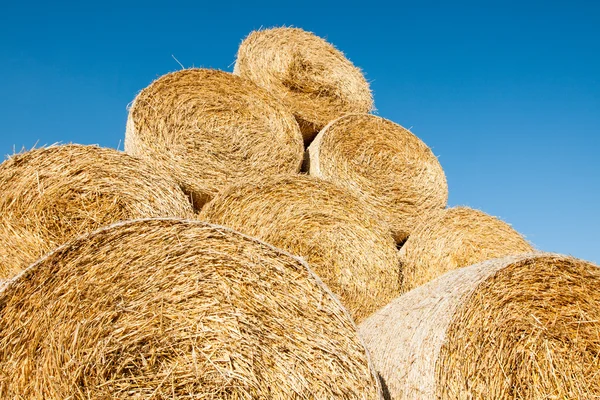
(385, 165)
(173, 309)
(50, 195)
(454, 238)
(350, 249)
(314, 79)
(520, 327)
(209, 128)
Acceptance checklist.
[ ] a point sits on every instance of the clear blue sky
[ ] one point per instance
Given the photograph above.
(507, 94)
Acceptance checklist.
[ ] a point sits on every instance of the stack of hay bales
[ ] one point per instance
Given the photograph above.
(175, 308)
(400, 179)
(50, 195)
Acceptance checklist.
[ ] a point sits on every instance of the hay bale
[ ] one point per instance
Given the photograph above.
(50, 195)
(176, 309)
(346, 246)
(520, 327)
(385, 165)
(209, 128)
(454, 238)
(314, 79)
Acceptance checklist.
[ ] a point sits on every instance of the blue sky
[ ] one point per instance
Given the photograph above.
(507, 94)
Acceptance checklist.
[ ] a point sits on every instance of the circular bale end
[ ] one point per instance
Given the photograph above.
(314, 79)
(53, 194)
(176, 309)
(454, 238)
(519, 327)
(209, 128)
(385, 165)
(333, 230)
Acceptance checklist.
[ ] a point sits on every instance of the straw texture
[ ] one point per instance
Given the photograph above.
(346, 246)
(520, 327)
(314, 79)
(210, 128)
(50, 195)
(173, 309)
(385, 165)
(455, 238)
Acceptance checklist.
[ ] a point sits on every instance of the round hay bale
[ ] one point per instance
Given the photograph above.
(454, 238)
(519, 327)
(346, 246)
(209, 128)
(177, 309)
(50, 195)
(313, 79)
(385, 165)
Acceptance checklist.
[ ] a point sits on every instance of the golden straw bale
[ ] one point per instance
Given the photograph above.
(173, 309)
(385, 165)
(519, 327)
(50, 195)
(454, 238)
(333, 230)
(209, 128)
(314, 79)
